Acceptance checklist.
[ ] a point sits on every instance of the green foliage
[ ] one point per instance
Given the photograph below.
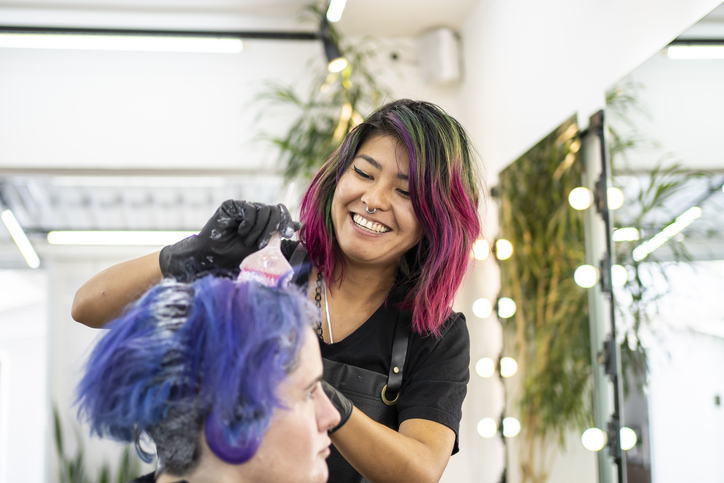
(549, 333)
(335, 103)
(73, 469)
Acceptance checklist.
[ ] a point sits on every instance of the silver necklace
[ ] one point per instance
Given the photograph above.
(326, 308)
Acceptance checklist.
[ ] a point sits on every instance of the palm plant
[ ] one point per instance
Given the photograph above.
(335, 103)
(74, 469)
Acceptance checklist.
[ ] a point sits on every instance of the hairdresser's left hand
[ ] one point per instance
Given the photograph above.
(340, 402)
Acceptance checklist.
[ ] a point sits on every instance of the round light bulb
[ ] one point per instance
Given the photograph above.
(508, 367)
(337, 65)
(511, 427)
(506, 308)
(503, 249)
(487, 427)
(615, 198)
(628, 438)
(580, 198)
(482, 308)
(619, 275)
(626, 234)
(586, 276)
(481, 250)
(594, 439)
(485, 367)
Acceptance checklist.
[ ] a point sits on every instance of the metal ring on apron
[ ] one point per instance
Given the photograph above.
(387, 401)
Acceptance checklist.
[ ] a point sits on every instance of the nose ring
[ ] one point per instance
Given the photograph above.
(370, 212)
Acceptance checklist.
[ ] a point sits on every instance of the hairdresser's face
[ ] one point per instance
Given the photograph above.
(376, 180)
(295, 446)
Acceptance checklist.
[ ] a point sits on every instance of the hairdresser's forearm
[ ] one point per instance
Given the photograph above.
(419, 453)
(103, 297)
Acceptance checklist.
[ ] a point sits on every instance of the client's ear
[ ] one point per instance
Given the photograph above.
(232, 453)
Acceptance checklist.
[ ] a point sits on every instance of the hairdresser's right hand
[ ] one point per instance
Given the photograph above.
(237, 229)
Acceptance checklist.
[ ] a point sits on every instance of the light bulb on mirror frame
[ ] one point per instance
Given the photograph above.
(508, 367)
(487, 427)
(594, 439)
(580, 198)
(485, 367)
(482, 308)
(615, 198)
(506, 308)
(481, 249)
(586, 276)
(628, 438)
(503, 249)
(511, 427)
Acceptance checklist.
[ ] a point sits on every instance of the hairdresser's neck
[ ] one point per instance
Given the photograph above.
(365, 280)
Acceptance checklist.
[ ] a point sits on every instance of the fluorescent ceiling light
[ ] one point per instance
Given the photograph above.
(121, 238)
(143, 43)
(695, 52)
(335, 10)
(681, 222)
(16, 231)
(139, 181)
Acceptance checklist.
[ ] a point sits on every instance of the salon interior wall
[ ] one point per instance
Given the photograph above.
(95, 110)
(528, 67)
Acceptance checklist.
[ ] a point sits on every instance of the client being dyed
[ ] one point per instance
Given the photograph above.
(224, 376)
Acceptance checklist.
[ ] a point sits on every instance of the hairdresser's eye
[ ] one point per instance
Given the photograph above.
(361, 173)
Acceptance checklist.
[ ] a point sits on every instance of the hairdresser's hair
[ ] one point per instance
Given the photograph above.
(185, 350)
(444, 189)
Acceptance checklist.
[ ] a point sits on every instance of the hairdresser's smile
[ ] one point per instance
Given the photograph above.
(369, 225)
(374, 220)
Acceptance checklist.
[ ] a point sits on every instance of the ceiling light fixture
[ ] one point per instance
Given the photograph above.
(682, 221)
(335, 10)
(335, 60)
(21, 240)
(146, 40)
(117, 238)
(133, 43)
(695, 52)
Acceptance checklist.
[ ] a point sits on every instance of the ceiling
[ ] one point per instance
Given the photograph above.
(401, 18)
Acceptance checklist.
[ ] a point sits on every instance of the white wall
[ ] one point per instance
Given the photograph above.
(530, 65)
(24, 418)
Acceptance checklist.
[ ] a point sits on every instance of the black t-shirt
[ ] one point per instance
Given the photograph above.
(150, 478)
(436, 371)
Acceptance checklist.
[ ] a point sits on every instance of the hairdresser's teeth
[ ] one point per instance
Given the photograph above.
(372, 226)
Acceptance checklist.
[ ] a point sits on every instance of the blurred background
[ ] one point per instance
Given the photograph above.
(100, 138)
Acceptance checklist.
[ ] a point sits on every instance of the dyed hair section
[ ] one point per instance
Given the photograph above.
(444, 189)
(186, 349)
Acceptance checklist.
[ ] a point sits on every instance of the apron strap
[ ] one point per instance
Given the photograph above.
(391, 392)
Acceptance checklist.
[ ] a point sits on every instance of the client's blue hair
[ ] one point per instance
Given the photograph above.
(186, 350)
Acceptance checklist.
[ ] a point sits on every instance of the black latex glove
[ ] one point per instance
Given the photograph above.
(237, 229)
(340, 402)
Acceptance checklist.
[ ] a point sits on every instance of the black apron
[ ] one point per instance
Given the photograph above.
(372, 393)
